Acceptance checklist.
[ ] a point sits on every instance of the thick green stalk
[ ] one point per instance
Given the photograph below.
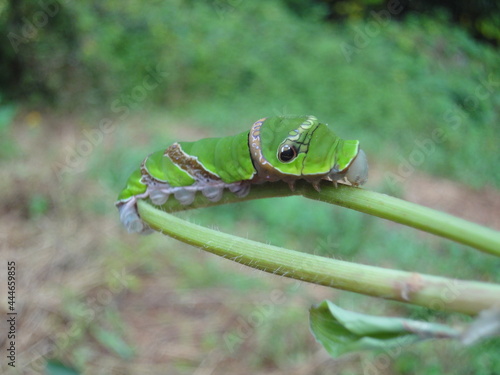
(411, 214)
(468, 297)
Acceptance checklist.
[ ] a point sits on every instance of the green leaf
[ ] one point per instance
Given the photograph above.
(341, 331)
(54, 367)
(113, 342)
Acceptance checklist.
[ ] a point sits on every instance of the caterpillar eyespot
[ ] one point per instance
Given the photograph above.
(307, 149)
(287, 153)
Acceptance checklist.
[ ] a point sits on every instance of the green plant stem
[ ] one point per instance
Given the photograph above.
(467, 297)
(381, 205)
(413, 215)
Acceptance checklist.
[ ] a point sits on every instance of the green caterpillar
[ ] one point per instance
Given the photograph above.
(286, 148)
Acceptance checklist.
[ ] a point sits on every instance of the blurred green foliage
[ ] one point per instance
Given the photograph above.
(422, 86)
(55, 367)
(479, 18)
(7, 114)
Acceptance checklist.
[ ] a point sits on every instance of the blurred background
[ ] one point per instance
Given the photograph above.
(89, 88)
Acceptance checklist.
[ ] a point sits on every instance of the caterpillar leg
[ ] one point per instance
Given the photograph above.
(130, 217)
(159, 193)
(213, 193)
(158, 197)
(356, 173)
(240, 189)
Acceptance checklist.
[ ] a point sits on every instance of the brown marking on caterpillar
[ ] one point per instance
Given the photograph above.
(190, 164)
(265, 171)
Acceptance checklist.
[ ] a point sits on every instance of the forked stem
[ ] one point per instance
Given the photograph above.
(440, 293)
(381, 205)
